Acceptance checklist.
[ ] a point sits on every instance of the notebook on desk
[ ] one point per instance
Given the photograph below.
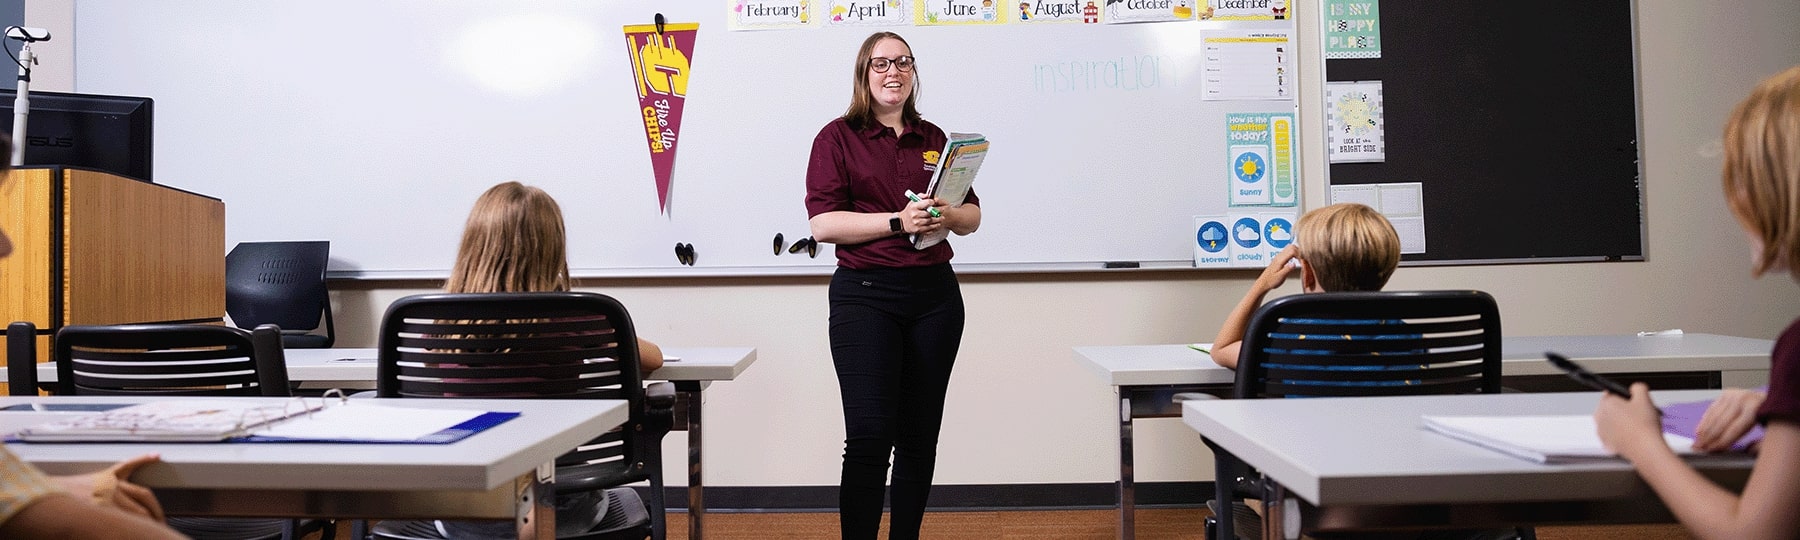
(1543, 438)
(297, 420)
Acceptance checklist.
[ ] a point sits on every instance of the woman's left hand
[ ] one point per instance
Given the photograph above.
(1727, 419)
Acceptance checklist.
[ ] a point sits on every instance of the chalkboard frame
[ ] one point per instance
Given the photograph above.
(1461, 80)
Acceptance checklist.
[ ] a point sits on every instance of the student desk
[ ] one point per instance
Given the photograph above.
(1350, 463)
(1147, 377)
(698, 368)
(490, 475)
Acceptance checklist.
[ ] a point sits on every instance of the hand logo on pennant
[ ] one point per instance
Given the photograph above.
(665, 68)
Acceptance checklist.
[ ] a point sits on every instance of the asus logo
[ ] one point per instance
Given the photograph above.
(59, 142)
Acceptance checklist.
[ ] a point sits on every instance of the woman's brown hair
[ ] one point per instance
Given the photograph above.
(861, 113)
(513, 242)
(1762, 170)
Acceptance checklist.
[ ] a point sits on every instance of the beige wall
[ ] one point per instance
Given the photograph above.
(1024, 411)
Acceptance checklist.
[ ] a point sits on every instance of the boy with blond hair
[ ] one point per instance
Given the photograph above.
(1342, 247)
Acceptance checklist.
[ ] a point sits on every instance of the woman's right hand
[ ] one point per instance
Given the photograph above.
(1727, 419)
(916, 217)
(1629, 426)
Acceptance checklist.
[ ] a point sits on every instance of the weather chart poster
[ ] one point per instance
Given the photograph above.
(1260, 151)
(661, 61)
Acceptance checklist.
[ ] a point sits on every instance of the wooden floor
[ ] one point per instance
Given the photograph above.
(1182, 524)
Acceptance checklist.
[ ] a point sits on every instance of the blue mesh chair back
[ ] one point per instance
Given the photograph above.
(1343, 344)
(1371, 344)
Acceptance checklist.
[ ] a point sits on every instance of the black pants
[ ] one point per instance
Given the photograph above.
(894, 336)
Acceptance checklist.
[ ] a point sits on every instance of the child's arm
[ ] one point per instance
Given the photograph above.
(650, 356)
(1225, 346)
(1764, 510)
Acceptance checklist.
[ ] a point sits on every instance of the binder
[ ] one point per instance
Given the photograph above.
(955, 174)
(259, 421)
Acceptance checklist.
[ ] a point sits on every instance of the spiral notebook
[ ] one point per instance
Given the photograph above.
(297, 420)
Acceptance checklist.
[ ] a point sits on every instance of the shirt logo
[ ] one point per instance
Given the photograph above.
(931, 159)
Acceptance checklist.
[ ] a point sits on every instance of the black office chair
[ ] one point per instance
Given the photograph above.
(281, 283)
(168, 360)
(552, 345)
(1355, 344)
(21, 359)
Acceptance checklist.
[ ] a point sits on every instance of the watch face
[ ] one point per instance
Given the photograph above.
(894, 223)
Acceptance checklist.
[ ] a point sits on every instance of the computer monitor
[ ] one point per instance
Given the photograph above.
(108, 133)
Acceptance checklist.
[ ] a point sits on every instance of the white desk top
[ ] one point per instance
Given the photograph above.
(304, 365)
(1373, 450)
(484, 461)
(1137, 365)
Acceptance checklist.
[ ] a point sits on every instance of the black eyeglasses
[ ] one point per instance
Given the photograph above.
(881, 65)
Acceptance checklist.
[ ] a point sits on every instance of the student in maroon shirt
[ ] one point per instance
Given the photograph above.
(896, 312)
(1762, 188)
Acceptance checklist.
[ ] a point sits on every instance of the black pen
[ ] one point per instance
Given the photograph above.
(1591, 379)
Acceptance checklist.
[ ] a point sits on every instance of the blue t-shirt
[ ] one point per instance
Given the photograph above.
(1341, 337)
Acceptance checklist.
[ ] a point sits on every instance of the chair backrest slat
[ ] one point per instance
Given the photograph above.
(170, 359)
(550, 345)
(1372, 344)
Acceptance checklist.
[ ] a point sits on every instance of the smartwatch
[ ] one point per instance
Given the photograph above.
(894, 224)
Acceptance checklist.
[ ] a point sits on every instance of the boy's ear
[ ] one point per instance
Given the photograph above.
(1309, 281)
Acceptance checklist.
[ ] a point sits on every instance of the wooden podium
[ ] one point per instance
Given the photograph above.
(91, 247)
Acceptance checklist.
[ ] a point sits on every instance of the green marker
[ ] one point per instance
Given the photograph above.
(915, 198)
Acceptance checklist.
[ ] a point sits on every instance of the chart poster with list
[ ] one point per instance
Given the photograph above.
(1248, 65)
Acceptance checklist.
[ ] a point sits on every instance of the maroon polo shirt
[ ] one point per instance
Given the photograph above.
(869, 170)
(1783, 402)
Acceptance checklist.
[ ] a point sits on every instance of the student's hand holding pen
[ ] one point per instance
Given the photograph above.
(1630, 426)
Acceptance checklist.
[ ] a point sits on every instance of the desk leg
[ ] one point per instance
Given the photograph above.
(537, 508)
(696, 487)
(1275, 508)
(1127, 494)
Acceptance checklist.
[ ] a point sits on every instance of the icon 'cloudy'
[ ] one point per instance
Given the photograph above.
(1247, 234)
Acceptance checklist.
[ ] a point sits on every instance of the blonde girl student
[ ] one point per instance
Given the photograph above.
(1762, 188)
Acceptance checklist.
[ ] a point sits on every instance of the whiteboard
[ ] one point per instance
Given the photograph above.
(375, 125)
